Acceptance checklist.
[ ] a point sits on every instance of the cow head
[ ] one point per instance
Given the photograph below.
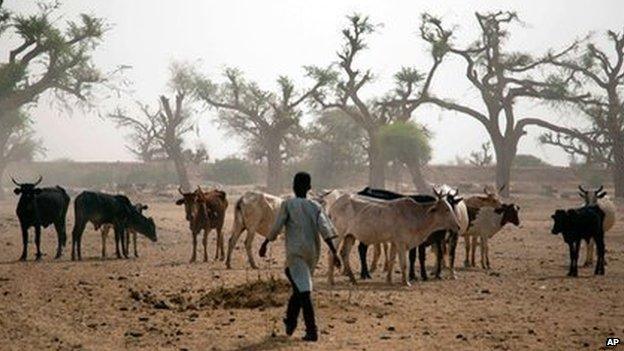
(561, 220)
(591, 197)
(190, 202)
(142, 224)
(510, 214)
(210, 200)
(442, 214)
(489, 198)
(27, 189)
(453, 198)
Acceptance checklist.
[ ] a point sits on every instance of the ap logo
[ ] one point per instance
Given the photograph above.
(612, 342)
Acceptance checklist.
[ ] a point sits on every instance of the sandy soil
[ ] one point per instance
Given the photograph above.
(160, 301)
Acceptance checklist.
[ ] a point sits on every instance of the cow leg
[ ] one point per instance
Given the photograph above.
(105, 231)
(220, 244)
(126, 242)
(403, 263)
(393, 250)
(439, 257)
(236, 233)
(451, 254)
(422, 258)
(386, 250)
(487, 253)
(362, 249)
(134, 243)
(119, 232)
(24, 244)
(601, 253)
(574, 248)
(79, 228)
(467, 246)
(205, 242)
(473, 250)
(330, 269)
(194, 255)
(483, 244)
(349, 240)
(412, 263)
(376, 255)
(251, 234)
(38, 242)
(589, 258)
(61, 235)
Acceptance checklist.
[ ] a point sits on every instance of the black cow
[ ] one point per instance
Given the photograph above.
(437, 238)
(100, 209)
(40, 207)
(581, 224)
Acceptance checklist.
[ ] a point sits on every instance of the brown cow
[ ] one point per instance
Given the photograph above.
(205, 211)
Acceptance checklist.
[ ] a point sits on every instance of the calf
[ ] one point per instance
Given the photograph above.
(40, 207)
(117, 210)
(254, 212)
(205, 211)
(131, 232)
(581, 224)
(484, 223)
(598, 198)
(404, 223)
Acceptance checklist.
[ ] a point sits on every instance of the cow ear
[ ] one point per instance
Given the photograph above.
(180, 202)
(499, 210)
(145, 207)
(17, 191)
(602, 194)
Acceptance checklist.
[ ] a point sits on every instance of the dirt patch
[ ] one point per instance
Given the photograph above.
(257, 294)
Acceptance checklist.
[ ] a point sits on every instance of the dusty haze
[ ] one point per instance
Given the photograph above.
(269, 38)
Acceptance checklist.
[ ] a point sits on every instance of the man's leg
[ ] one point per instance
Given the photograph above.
(294, 305)
(308, 317)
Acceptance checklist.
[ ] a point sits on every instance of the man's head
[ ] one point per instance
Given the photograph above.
(302, 183)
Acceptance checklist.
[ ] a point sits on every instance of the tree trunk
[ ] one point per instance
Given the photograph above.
(505, 153)
(618, 168)
(274, 169)
(376, 163)
(178, 161)
(417, 178)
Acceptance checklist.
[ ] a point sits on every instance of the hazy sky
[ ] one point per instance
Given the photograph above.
(269, 38)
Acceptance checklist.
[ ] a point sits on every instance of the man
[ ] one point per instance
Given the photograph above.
(303, 219)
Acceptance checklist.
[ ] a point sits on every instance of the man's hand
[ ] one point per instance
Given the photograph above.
(337, 263)
(263, 248)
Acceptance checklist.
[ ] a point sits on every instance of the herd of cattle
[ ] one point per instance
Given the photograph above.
(392, 223)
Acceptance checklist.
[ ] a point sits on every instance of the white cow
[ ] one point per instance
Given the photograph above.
(255, 212)
(598, 197)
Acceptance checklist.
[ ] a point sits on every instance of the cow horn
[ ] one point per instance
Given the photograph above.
(435, 191)
(486, 191)
(180, 190)
(38, 180)
(501, 188)
(599, 190)
(15, 182)
(582, 190)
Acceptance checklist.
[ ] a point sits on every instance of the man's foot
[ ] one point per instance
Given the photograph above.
(310, 336)
(290, 327)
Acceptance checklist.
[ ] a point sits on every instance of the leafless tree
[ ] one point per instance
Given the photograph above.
(267, 121)
(601, 75)
(501, 78)
(483, 157)
(346, 93)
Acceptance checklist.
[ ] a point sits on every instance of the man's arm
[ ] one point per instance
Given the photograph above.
(328, 233)
(279, 223)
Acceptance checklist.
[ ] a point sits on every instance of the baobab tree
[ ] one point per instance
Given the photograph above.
(267, 121)
(50, 56)
(345, 94)
(162, 132)
(600, 74)
(501, 78)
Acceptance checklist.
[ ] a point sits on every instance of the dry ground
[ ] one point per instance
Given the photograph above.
(155, 301)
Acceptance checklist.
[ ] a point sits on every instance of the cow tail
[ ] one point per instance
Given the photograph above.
(239, 222)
